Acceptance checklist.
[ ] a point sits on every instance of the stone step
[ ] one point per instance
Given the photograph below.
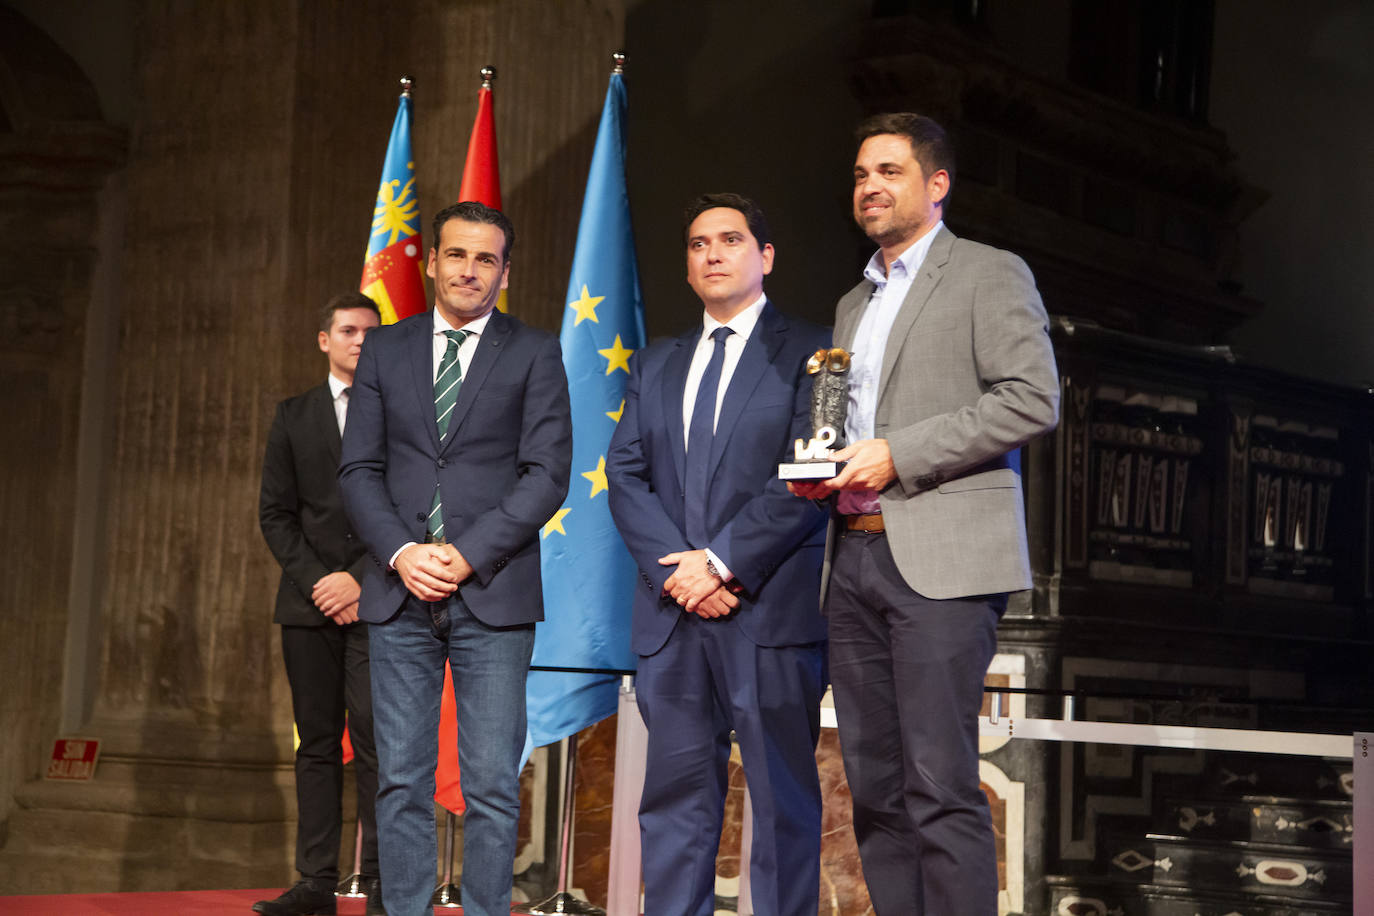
(171, 789)
(159, 825)
(1230, 867)
(76, 833)
(109, 872)
(1236, 775)
(1265, 819)
(1074, 896)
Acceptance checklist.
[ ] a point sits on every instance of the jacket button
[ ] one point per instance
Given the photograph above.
(442, 464)
(419, 516)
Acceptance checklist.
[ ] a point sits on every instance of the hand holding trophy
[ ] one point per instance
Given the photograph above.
(829, 402)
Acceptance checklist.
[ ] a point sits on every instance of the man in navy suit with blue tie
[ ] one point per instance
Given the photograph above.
(456, 453)
(726, 621)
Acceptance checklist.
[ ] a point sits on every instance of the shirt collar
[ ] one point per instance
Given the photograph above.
(908, 262)
(474, 327)
(336, 386)
(742, 324)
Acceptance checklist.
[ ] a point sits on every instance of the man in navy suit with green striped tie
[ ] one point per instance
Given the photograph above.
(457, 451)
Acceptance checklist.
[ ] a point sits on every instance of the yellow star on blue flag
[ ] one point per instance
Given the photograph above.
(617, 356)
(585, 306)
(597, 476)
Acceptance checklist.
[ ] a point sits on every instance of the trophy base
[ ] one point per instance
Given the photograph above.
(809, 470)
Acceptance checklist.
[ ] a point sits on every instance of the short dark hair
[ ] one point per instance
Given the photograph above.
(930, 144)
(346, 301)
(473, 212)
(753, 215)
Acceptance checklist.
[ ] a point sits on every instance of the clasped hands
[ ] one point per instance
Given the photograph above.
(869, 467)
(336, 595)
(695, 588)
(432, 572)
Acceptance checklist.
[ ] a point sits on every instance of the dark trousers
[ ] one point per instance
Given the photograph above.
(328, 670)
(708, 679)
(908, 677)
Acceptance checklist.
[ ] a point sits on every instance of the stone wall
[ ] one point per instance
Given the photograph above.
(55, 154)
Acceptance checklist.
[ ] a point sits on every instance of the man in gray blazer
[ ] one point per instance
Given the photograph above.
(952, 372)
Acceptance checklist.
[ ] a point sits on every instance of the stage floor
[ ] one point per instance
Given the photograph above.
(166, 903)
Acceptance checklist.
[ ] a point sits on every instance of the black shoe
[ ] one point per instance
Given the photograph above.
(304, 899)
(374, 898)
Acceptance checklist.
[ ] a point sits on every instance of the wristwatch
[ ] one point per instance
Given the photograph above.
(711, 568)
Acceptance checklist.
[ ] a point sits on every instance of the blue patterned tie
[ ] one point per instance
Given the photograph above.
(446, 384)
(699, 436)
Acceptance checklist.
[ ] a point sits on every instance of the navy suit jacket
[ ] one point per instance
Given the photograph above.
(502, 468)
(772, 542)
(299, 509)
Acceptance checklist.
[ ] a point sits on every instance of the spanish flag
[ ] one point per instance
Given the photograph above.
(481, 176)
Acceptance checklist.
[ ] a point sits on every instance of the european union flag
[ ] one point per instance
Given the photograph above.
(588, 574)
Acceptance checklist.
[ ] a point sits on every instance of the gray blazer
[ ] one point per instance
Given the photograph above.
(968, 377)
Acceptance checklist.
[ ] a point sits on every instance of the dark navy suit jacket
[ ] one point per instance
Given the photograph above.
(503, 466)
(772, 542)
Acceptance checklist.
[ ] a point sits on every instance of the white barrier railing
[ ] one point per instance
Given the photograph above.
(631, 736)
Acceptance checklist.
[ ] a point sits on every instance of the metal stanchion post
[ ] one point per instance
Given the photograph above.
(631, 737)
(562, 901)
(745, 904)
(352, 886)
(447, 894)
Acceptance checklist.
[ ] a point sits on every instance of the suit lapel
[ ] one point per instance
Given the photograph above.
(754, 360)
(327, 422)
(489, 344)
(850, 312)
(420, 351)
(931, 270)
(674, 381)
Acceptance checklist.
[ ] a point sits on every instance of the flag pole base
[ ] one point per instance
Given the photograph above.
(446, 895)
(562, 902)
(352, 886)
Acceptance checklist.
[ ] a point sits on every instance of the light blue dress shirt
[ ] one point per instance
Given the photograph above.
(870, 343)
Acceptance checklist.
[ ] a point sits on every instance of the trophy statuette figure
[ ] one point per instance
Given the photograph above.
(813, 459)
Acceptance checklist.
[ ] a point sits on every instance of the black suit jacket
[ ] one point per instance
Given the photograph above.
(299, 509)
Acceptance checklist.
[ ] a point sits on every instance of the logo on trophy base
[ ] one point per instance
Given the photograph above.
(814, 459)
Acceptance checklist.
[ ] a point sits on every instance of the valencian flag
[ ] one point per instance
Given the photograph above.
(393, 272)
(589, 577)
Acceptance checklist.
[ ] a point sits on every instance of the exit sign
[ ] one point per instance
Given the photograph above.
(73, 758)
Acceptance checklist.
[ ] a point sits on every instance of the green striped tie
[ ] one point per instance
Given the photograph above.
(446, 385)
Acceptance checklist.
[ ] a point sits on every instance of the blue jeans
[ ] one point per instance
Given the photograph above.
(490, 665)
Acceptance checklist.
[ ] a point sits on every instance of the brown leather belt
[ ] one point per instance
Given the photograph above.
(869, 523)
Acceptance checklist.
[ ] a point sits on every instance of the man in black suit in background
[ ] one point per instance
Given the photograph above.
(324, 644)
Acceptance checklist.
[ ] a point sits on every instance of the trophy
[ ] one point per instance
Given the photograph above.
(814, 459)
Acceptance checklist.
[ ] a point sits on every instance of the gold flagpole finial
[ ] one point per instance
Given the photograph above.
(488, 74)
(618, 62)
(406, 83)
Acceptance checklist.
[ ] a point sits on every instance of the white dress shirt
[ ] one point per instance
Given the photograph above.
(890, 289)
(338, 391)
(742, 325)
(474, 331)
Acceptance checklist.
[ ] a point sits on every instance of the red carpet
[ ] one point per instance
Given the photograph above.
(167, 903)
